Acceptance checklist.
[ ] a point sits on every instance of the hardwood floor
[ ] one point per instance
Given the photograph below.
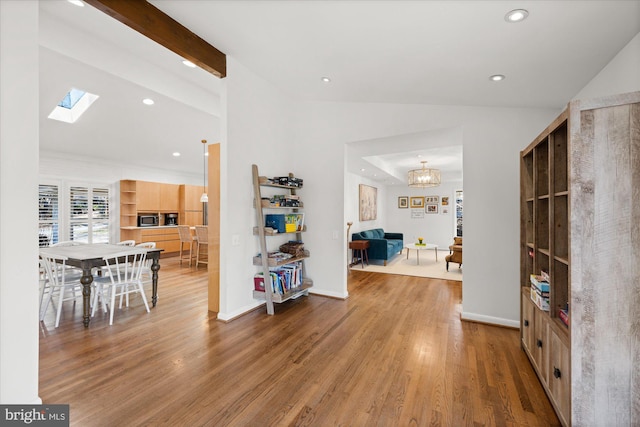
(395, 353)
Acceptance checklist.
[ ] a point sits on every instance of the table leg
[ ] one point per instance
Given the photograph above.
(418, 255)
(407, 253)
(86, 280)
(155, 266)
(436, 249)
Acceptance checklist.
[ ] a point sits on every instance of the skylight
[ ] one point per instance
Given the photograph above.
(73, 105)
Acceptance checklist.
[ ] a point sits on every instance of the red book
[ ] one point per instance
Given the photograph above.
(564, 316)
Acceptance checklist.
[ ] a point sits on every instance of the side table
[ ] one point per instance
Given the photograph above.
(362, 246)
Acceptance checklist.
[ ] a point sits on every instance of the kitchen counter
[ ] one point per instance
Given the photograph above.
(153, 227)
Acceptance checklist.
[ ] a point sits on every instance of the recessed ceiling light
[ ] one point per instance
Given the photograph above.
(326, 79)
(148, 101)
(189, 63)
(497, 77)
(362, 170)
(76, 3)
(516, 15)
(176, 154)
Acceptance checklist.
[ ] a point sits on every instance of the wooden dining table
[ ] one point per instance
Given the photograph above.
(90, 256)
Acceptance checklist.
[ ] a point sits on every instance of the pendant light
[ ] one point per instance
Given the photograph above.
(425, 177)
(204, 198)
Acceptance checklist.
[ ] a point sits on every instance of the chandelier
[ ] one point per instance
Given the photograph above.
(425, 177)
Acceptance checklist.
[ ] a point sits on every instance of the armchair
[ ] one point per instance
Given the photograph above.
(455, 252)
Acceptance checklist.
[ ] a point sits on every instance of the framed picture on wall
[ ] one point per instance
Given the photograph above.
(431, 199)
(403, 202)
(368, 203)
(417, 202)
(431, 208)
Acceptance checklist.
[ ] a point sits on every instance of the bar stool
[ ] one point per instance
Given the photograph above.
(184, 232)
(202, 234)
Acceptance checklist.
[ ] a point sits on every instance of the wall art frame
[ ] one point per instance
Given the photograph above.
(368, 205)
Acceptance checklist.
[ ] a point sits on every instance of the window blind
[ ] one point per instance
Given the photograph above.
(48, 210)
(89, 214)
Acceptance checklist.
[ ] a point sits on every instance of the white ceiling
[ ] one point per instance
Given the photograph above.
(427, 52)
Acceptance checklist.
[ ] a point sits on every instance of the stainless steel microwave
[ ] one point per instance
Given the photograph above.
(148, 220)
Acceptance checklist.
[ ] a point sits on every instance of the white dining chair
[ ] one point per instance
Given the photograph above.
(67, 243)
(146, 270)
(127, 243)
(125, 269)
(59, 280)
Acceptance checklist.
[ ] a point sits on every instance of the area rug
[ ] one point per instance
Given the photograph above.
(428, 266)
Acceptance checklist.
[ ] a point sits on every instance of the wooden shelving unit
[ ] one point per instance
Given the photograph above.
(544, 248)
(578, 224)
(266, 263)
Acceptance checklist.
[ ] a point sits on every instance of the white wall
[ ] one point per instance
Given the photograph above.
(492, 140)
(18, 202)
(93, 170)
(352, 206)
(434, 228)
(621, 75)
(257, 128)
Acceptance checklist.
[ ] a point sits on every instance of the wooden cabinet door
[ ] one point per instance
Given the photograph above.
(540, 350)
(148, 196)
(192, 195)
(169, 197)
(559, 375)
(528, 324)
(192, 218)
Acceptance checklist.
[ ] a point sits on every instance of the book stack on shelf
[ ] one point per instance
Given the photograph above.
(540, 290)
(283, 278)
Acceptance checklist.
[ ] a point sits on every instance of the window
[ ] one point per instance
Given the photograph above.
(84, 218)
(48, 214)
(73, 105)
(89, 214)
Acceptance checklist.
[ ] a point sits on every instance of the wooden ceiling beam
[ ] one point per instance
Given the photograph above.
(153, 23)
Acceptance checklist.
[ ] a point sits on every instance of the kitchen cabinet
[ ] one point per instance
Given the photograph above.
(148, 196)
(170, 198)
(190, 205)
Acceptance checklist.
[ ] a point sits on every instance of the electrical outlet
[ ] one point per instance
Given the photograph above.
(335, 234)
(235, 240)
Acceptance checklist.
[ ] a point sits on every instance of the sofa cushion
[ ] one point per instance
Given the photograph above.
(368, 234)
(378, 233)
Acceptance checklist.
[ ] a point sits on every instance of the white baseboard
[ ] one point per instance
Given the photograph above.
(227, 317)
(336, 295)
(490, 320)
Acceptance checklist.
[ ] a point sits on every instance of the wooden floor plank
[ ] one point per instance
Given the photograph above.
(394, 353)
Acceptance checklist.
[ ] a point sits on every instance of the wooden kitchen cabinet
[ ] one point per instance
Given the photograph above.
(169, 198)
(190, 197)
(148, 196)
(166, 238)
(190, 205)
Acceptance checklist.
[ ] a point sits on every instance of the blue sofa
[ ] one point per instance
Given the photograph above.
(381, 245)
